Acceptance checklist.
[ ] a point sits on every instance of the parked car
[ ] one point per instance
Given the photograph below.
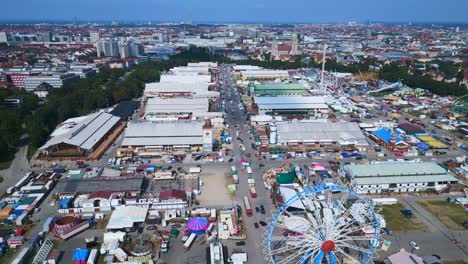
(240, 243)
(414, 245)
(262, 209)
(263, 223)
(256, 225)
(257, 209)
(261, 165)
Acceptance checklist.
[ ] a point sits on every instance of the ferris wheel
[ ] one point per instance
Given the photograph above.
(323, 224)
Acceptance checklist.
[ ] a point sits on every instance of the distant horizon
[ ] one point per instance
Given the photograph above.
(240, 11)
(208, 22)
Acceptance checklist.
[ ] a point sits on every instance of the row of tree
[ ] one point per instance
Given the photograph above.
(11, 120)
(394, 72)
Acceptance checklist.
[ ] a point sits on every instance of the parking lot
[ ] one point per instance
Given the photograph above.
(214, 191)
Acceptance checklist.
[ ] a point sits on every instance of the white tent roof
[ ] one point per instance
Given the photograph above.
(126, 216)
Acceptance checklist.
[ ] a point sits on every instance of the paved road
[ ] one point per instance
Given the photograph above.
(254, 247)
(18, 168)
(456, 240)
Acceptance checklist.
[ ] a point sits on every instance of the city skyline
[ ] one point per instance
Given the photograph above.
(335, 11)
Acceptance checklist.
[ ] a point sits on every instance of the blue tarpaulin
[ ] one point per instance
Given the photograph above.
(18, 212)
(81, 254)
(64, 203)
(150, 168)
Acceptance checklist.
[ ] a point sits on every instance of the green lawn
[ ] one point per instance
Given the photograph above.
(397, 221)
(5, 161)
(452, 215)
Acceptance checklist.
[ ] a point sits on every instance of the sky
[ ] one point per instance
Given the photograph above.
(238, 11)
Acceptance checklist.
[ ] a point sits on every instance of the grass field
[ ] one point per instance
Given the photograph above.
(455, 262)
(452, 215)
(397, 222)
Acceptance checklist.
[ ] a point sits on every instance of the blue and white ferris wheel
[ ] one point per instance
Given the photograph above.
(323, 224)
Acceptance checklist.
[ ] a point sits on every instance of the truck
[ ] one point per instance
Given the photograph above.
(164, 246)
(249, 170)
(253, 192)
(235, 178)
(189, 241)
(233, 170)
(248, 208)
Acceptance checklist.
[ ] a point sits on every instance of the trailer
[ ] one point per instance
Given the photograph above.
(213, 215)
(195, 170)
(384, 201)
(163, 175)
(76, 230)
(251, 182)
(248, 208)
(189, 241)
(22, 256)
(120, 254)
(23, 181)
(92, 258)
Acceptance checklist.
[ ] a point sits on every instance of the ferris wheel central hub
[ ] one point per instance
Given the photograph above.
(328, 246)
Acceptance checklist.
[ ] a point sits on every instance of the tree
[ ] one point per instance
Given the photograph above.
(10, 131)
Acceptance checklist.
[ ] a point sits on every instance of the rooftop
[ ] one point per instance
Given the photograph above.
(279, 89)
(168, 87)
(385, 135)
(163, 133)
(90, 185)
(291, 102)
(125, 108)
(176, 105)
(321, 131)
(395, 169)
(126, 216)
(83, 132)
(185, 79)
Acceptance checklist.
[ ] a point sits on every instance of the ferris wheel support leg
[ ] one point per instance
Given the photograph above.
(318, 259)
(332, 258)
